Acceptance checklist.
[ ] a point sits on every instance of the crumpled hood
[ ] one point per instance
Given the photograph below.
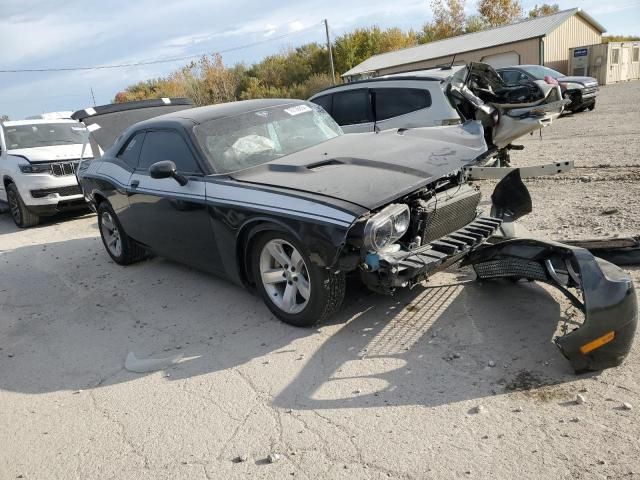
(373, 169)
(51, 153)
(582, 80)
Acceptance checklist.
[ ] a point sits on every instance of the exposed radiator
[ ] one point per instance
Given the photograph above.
(444, 213)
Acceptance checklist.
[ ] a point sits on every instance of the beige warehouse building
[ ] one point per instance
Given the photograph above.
(542, 41)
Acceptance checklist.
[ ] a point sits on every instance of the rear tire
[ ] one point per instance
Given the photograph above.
(120, 247)
(592, 106)
(21, 215)
(296, 291)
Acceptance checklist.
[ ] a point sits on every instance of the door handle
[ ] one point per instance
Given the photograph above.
(135, 183)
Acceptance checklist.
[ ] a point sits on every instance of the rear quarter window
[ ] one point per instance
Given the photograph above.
(352, 107)
(325, 101)
(393, 102)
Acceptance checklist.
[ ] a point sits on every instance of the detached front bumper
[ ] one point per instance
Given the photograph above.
(608, 300)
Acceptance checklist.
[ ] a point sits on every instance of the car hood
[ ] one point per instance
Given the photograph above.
(582, 80)
(373, 169)
(49, 154)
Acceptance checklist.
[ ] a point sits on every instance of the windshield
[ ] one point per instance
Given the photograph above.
(43, 135)
(257, 137)
(539, 72)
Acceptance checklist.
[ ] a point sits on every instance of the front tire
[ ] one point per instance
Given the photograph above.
(295, 290)
(21, 215)
(120, 247)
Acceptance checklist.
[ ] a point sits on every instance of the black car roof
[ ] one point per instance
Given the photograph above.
(123, 107)
(222, 110)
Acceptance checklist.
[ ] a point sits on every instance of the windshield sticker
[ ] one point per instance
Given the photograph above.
(297, 110)
(93, 127)
(166, 101)
(90, 111)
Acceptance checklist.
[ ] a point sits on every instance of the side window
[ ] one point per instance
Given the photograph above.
(393, 102)
(510, 77)
(325, 101)
(167, 145)
(636, 54)
(352, 107)
(615, 56)
(131, 151)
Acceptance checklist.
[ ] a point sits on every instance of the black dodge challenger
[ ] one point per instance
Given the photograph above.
(272, 195)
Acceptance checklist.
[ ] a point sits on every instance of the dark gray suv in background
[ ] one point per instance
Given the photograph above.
(582, 91)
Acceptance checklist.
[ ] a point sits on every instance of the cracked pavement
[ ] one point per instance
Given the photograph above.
(382, 390)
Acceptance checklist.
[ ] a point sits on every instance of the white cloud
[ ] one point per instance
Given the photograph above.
(296, 26)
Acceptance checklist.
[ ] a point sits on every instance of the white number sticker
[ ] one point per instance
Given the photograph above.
(297, 110)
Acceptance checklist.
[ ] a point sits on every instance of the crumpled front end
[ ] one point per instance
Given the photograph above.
(603, 292)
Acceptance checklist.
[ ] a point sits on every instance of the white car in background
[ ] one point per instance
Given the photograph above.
(38, 161)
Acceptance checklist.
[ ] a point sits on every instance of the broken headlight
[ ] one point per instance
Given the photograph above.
(386, 226)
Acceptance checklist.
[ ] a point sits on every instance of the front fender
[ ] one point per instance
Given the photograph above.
(608, 300)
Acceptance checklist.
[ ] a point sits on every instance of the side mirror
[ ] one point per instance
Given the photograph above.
(166, 169)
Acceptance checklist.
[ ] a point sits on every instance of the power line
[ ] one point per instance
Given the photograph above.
(157, 61)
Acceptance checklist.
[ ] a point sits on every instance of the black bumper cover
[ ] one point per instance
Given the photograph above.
(609, 302)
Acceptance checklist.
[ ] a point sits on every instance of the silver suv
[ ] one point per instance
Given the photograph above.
(444, 96)
(407, 102)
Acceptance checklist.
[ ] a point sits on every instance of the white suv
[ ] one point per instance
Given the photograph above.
(38, 160)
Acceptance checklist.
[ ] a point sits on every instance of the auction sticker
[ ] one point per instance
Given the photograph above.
(297, 110)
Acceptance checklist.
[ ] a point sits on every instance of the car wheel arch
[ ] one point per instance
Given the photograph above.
(6, 180)
(247, 235)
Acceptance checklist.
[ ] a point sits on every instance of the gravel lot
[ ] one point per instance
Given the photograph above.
(388, 389)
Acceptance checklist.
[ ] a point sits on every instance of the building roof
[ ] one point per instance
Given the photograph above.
(515, 32)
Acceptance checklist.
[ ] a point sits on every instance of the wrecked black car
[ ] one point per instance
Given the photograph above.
(272, 195)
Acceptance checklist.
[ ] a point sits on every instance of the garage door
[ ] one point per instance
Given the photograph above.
(500, 60)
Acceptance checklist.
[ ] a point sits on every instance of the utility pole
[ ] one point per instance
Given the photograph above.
(333, 71)
(93, 96)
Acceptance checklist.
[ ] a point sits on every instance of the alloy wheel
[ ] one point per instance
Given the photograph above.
(111, 234)
(285, 276)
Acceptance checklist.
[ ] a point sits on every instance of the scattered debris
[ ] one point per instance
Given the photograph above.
(580, 400)
(575, 420)
(518, 409)
(273, 457)
(477, 409)
(240, 459)
(626, 406)
(77, 392)
(144, 365)
(491, 363)
(456, 355)
(610, 211)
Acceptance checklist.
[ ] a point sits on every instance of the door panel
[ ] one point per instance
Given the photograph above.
(173, 220)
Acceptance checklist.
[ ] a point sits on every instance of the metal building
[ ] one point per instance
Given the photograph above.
(543, 41)
(608, 62)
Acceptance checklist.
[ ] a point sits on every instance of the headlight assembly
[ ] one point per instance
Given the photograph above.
(386, 226)
(35, 168)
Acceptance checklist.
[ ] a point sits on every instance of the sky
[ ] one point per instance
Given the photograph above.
(78, 33)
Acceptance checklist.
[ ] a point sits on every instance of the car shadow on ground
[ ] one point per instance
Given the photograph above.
(70, 316)
(7, 225)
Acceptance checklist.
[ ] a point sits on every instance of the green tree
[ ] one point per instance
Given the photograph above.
(474, 23)
(499, 12)
(449, 20)
(543, 10)
(620, 38)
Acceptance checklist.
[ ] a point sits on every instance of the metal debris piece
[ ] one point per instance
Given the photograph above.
(144, 365)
